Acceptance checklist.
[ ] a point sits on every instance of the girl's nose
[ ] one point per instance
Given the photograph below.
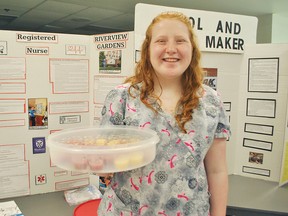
(171, 47)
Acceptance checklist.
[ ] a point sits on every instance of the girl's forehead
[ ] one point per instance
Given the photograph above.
(169, 26)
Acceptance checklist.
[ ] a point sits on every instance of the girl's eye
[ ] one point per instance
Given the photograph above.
(181, 41)
(161, 41)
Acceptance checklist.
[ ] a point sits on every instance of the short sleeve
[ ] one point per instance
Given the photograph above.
(113, 110)
(223, 127)
(217, 114)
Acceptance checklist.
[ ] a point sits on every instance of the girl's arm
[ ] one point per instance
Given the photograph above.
(216, 169)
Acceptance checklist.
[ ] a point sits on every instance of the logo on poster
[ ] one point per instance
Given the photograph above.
(40, 179)
(39, 145)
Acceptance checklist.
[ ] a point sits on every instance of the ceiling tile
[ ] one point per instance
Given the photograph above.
(35, 18)
(13, 11)
(97, 13)
(125, 21)
(22, 3)
(60, 7)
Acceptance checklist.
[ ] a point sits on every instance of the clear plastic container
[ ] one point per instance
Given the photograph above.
(102, 149)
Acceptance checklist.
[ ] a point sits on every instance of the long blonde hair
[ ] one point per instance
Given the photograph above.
(192, 78)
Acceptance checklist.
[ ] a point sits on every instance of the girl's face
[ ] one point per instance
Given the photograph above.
(170, 49)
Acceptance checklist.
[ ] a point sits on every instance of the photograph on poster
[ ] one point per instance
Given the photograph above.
(255, 157)
(257, 107)
(263, 75)
(259, 129)
(3, 47)
(257, 144)
(256, 171)
(37, 113)
(210, 77)
(227, 106)
(110, 61)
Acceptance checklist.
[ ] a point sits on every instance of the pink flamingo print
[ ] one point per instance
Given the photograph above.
(225, 131)
(178, 214)
(150, 177)
(162, 213)
(178, 141)
(189, 145)
(183, 196)
(140, 179)
(110, 196)
(114, 185)
(171, 161)
(166, 131)
(191, 131)
(130, 108)
(109, 207)
(133, 185)
(121, 86)
(110, 110)
(141, 208)
(146, 123)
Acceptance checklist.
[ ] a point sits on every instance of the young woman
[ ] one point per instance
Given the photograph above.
(166, 94)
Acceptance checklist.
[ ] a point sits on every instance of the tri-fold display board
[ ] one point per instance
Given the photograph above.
(50, 82)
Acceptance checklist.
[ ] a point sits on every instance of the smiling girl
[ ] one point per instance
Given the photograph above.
(189, 174)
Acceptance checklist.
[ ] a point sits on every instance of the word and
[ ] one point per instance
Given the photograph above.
(226, 42)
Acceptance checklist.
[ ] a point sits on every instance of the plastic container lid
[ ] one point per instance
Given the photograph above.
(102, 149)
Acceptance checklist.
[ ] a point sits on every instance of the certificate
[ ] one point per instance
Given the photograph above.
(263, 75)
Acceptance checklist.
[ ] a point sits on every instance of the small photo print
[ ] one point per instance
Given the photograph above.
(255, 157)
(104, 182)
(110, 61)
(210, 77)
(37, 113)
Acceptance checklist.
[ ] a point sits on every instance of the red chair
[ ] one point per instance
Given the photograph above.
(88, 208)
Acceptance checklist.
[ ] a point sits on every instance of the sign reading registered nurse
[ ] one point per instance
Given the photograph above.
(216, 32)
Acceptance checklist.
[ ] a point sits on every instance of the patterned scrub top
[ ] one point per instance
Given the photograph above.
(175, 183)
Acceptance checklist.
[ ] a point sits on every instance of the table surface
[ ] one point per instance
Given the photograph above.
(244, 192)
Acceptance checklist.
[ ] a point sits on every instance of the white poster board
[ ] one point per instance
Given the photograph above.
(47, 83)
(262, 112)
